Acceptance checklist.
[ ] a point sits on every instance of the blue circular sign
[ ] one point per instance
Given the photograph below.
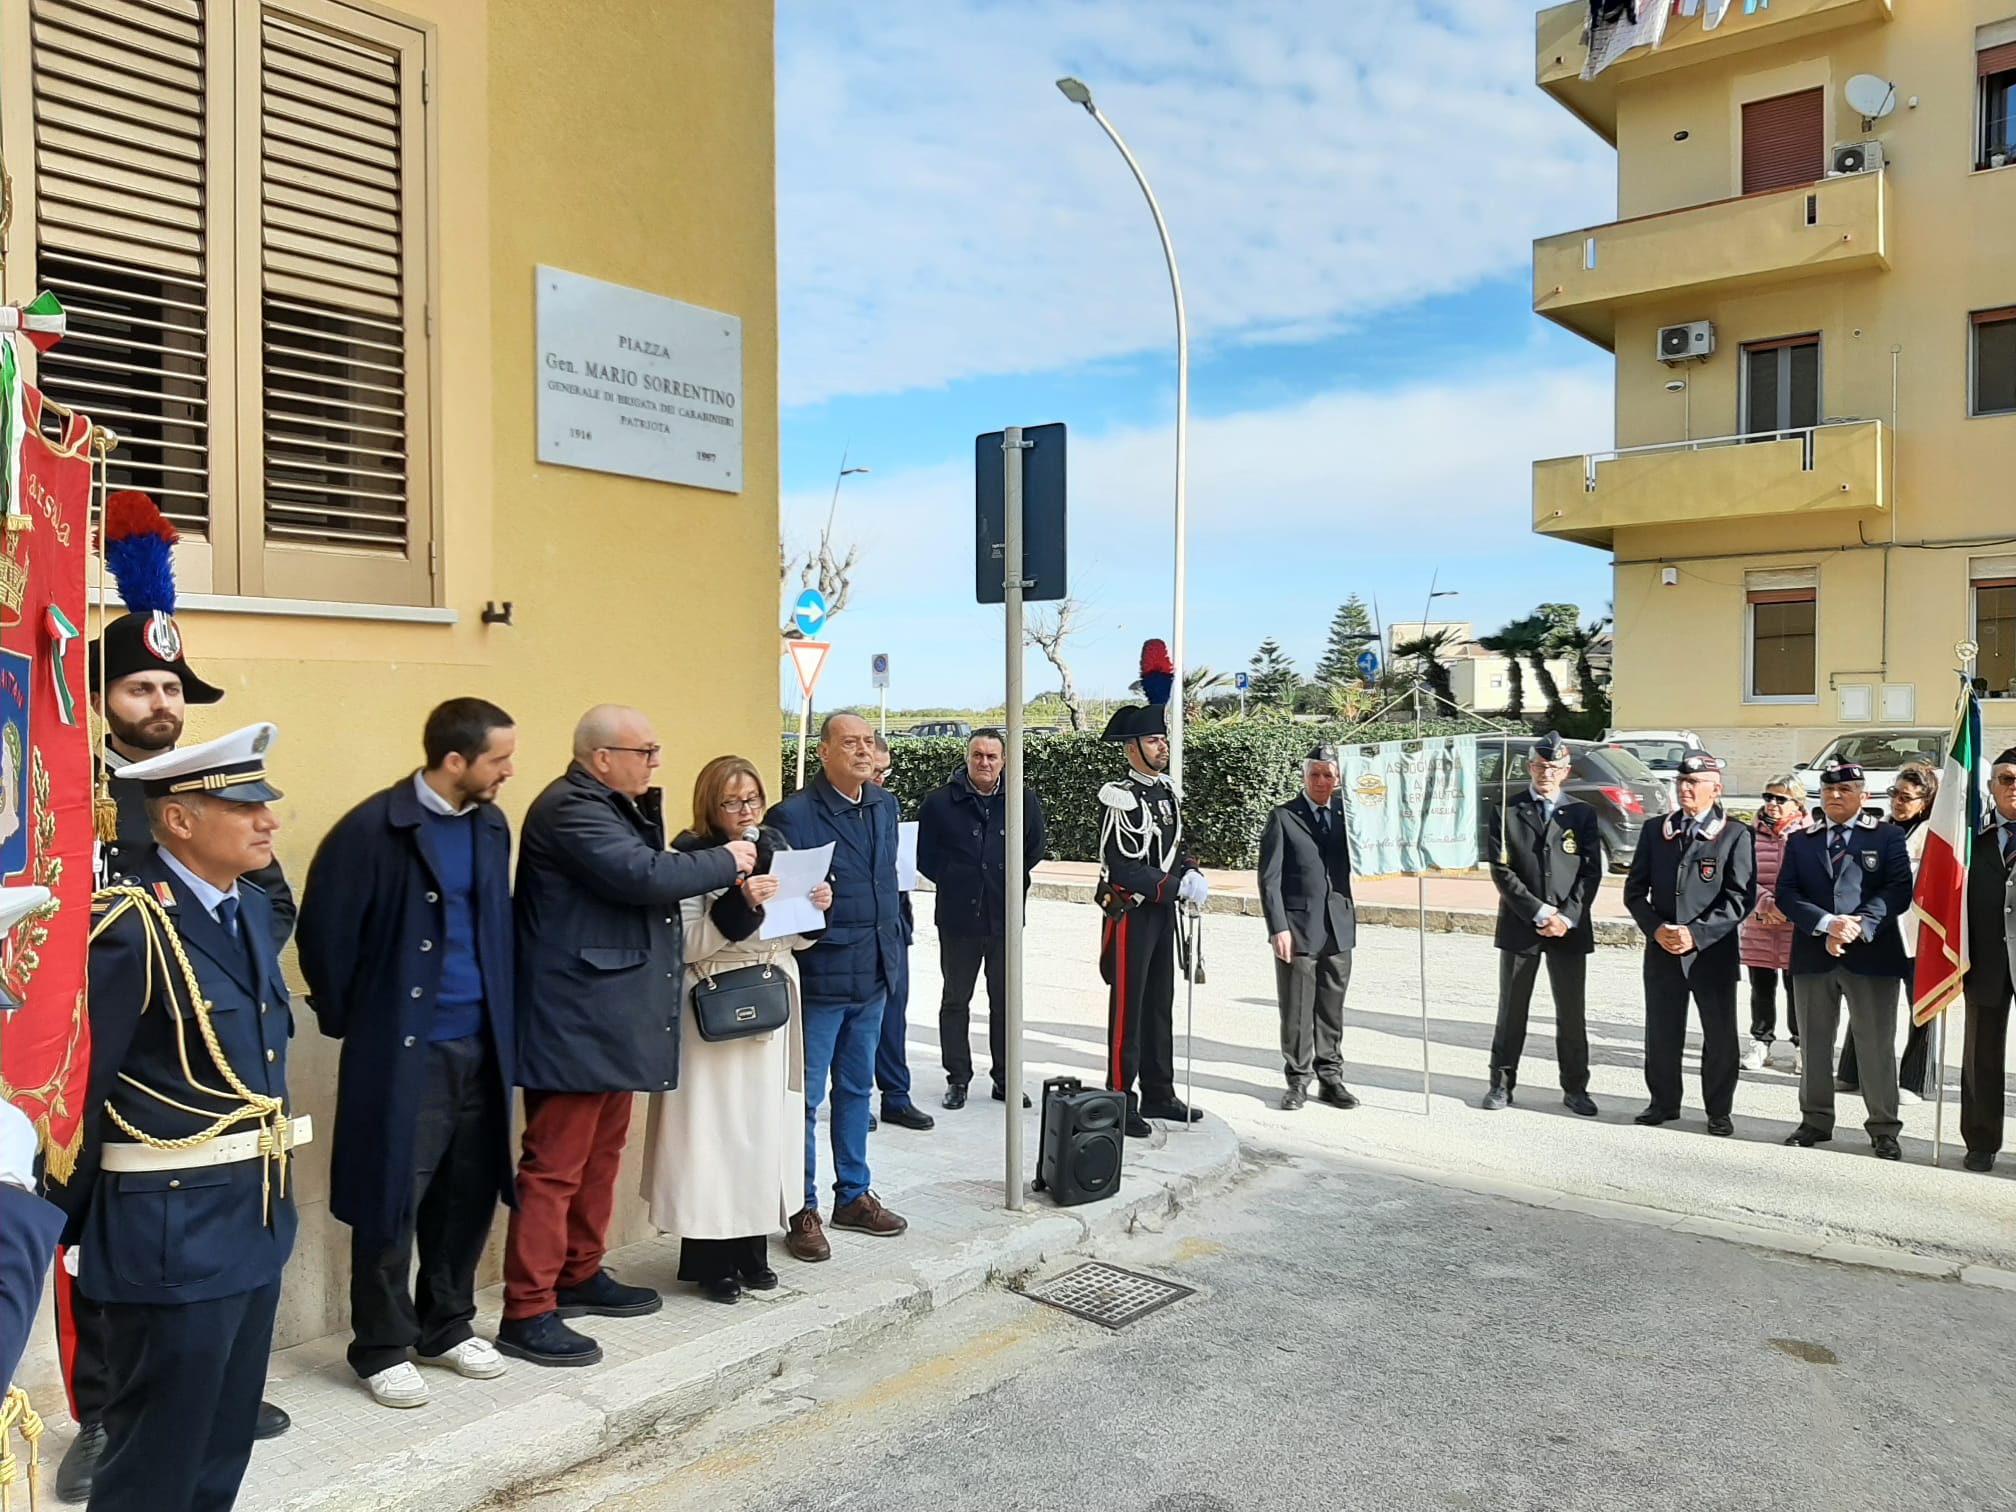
(1368, 664)
(809, 612)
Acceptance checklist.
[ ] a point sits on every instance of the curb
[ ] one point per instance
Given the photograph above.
(1394, 915)
(536, 1440)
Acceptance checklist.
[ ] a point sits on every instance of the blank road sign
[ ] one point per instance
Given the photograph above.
(1042, 515)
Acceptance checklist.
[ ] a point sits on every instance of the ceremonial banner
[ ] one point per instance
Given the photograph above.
(45, 783)
(1411, 805)
(1940, 901)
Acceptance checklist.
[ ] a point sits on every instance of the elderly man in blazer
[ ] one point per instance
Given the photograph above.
(1305, 893)
(1844, 883)
(1547, 863)
(1991, 935)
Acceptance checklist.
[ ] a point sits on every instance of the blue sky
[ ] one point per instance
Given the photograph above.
(960, 248)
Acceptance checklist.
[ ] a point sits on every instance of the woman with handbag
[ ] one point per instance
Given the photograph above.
(724, 1164)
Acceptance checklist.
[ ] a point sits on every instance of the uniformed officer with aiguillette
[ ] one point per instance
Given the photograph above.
(183, 1199)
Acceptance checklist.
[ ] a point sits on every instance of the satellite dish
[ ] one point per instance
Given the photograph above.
(1870, 97)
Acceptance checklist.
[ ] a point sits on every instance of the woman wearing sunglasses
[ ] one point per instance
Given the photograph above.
(1767, 933)
(1911, 798)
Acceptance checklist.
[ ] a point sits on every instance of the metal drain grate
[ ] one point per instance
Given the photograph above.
(1107, 1295)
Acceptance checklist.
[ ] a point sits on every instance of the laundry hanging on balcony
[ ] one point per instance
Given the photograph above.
(1712, 16)
(1618, 26)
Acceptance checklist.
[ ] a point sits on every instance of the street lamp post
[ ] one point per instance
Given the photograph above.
(1078, 94)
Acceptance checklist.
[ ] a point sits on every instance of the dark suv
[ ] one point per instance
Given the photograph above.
(1626, 794)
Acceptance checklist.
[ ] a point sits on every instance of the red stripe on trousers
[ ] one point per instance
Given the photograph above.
(66, 1329)
(1119, 997)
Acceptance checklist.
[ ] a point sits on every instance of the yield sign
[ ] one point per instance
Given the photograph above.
(808, 657)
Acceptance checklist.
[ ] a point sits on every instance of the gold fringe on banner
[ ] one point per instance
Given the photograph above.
(104, 810)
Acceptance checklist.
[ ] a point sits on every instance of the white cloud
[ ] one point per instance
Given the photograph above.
(944, 213)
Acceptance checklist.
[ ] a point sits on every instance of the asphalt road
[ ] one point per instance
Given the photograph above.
(1366, 1341)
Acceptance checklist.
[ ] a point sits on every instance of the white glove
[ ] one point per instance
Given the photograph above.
(18, 1144)
(1193, 888)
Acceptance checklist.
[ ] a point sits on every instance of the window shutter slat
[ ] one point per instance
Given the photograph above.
(122, 214)
(1995, 60)
(1784, 141)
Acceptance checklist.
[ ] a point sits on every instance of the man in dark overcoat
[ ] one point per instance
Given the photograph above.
(1693, 881)
(1547, 863)
(1991, 947)
(406, 943)
(1305, 894)
(600, 976)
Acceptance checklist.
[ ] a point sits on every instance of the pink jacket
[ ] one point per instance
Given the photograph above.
(1764, 944)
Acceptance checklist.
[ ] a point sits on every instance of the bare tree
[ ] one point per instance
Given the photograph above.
(819, 568)
(1048, 632)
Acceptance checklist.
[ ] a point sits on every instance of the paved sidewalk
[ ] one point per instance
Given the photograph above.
(476, 1439)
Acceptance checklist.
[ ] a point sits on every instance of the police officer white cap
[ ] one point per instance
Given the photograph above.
(231, 767)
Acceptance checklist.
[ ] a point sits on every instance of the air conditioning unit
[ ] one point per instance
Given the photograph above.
(1856, 157)
(1685, 343)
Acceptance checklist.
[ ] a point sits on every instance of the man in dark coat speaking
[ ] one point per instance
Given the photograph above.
(405, 939)
(601, 972)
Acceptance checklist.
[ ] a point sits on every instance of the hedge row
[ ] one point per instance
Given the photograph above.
(1235, 774)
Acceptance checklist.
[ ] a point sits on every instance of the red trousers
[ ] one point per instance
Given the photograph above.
(566, 1192)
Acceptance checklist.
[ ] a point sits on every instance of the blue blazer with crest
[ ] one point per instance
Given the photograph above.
(1874, 885)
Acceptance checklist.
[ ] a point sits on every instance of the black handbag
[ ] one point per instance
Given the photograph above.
(741, 1003)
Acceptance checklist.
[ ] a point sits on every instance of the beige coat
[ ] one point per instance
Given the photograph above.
(1907, 926)
(724, 1155)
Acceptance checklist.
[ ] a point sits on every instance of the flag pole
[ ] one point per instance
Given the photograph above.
(1967, 652)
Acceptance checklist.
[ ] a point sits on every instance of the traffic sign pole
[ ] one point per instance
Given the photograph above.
(807, 658)
(1011, 776)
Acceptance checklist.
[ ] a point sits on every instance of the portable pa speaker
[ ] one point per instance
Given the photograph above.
(1078, 1158)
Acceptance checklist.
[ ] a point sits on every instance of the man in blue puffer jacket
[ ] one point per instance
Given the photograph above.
(845, 978)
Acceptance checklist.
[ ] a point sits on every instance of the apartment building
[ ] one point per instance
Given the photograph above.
(1809, 295)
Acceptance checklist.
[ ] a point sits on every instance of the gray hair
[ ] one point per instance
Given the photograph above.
(196, 803)
(601, 727)
(1789, 782)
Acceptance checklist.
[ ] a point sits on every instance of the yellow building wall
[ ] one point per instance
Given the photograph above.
(1892, 343)
(628, 140)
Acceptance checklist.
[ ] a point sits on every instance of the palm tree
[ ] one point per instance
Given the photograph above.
(1197, 682)
(1429, 651)
(1519, 638)
(1579, 641)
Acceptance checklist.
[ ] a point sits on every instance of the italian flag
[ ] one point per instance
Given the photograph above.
(1940, 901)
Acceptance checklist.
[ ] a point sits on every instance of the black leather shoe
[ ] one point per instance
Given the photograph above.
(1001, 1096)
(1296, 1096)
(1497, 1099)
(1806, 1136)
(722, 1289)
(1138, 1127)
(1653, 1117)
(1173, 1111)
(272, 1422)
(908, 1116)
(1722, 1127)
(760, 1280)
(1581, 1104)
(80, 1464)
(955, 1099)
(603, 1296)
(545, 1340)
(1336, 1094)
(1976, 1160)
(1886, 1147)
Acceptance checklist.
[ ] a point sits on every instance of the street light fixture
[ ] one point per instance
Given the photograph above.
(1078, 94)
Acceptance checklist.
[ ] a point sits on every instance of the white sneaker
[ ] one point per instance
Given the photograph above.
(1788, 1054)
(400, 1386)
(1907, 1097)
(475, 1358)
(1756, 1055)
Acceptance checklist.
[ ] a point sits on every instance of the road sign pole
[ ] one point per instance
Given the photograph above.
(804, 727)
(885, 713)
(1011, 778)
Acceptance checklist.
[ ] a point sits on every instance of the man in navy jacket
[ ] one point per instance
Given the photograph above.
(405, 939)
(1844, 883)
(846, 977)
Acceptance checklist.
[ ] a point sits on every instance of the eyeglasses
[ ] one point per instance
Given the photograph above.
(741, 805)
(1775, 798)
(649, 753)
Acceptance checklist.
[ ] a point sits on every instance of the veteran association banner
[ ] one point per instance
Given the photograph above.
(46, 831)
(1411, 805)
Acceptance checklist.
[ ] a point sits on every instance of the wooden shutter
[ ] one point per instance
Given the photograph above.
(1995, 60)
(342, 305)
(122, 235)
(1784, 141)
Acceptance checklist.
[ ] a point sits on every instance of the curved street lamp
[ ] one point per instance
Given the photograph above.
(1078, 94)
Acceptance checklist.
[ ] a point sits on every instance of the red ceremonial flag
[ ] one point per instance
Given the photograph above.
(46, 831)
(1940, 901)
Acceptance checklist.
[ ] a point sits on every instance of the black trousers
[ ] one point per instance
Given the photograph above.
(82, 1346)
(1138, 960)
(1309, 990)
(1912, 1066)
(1764, 982)
(960, 960)
(704, 1260)
(461, 1128)
(1567, 978)
(183, 1403)
(1982, 1057)
(1712, 986)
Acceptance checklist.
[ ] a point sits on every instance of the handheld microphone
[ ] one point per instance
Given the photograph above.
(754, 836)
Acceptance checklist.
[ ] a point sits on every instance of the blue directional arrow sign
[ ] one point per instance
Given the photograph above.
(1368, 664)
(809, 613)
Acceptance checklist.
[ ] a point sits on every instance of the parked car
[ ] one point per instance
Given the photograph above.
(1881, 754)
(1626, 794)
(954, 727)
(1661, 750)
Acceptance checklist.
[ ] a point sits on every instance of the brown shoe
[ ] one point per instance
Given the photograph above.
(866, 1215)
(805, 1239)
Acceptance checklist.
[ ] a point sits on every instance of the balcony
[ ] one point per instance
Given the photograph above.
(1560, 53)
(1582, 279)
(1829, 468)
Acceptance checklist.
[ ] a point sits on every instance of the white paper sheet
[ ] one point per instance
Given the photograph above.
(797, 873)
(906, 857)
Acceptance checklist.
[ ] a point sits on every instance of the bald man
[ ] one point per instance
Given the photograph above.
(601, 969)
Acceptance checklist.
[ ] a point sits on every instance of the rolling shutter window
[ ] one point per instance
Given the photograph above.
(1995, 60)
(121, 164)
(1784, 141)
(341, 299)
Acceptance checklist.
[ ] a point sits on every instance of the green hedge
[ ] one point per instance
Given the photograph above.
(1236, 774)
